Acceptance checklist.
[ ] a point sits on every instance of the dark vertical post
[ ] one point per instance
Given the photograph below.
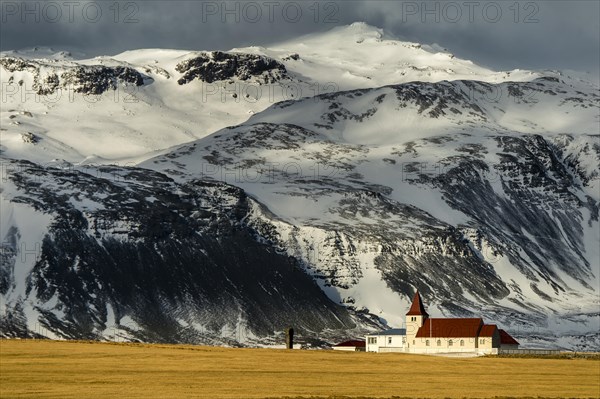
(289, 338)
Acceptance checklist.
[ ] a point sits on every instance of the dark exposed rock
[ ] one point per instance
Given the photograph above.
(97, 80)
(218, 66)
(29, 138)
(92, 79)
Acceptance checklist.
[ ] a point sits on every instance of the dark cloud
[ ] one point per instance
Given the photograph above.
(499, 34)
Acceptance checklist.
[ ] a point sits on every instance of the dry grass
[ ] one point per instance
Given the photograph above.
(562, 355)
(50, 369)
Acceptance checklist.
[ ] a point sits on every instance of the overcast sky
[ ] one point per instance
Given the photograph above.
(498, 34)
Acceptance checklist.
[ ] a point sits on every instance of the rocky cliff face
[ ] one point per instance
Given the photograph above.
(130, 254)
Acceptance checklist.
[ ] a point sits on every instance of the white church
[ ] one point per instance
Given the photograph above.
(424, 334)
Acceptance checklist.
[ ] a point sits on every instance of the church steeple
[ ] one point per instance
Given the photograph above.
(417, 308)
(415, 318)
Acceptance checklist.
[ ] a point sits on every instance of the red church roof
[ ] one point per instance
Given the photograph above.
(417, 308)
(357, 343)
(488, 330)
(506, 339)
(450, 328)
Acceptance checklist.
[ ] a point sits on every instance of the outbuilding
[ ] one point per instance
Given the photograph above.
(507, 341)
(356, 345)
(393, 340)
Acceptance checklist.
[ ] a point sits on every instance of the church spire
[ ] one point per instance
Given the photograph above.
(417, 308)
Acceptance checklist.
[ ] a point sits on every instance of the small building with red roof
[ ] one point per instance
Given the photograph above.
(424, 334)
(355, 345)
(506, 341)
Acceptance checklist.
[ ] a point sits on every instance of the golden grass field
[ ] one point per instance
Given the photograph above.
(58, 369)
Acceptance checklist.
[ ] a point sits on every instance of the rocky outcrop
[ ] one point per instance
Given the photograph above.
(217, 66)
(86, 79)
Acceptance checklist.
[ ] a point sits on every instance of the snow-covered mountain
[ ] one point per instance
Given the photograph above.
(125, 108)
(314, 183)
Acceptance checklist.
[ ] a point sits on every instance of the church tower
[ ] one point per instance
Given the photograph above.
(415, 318)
